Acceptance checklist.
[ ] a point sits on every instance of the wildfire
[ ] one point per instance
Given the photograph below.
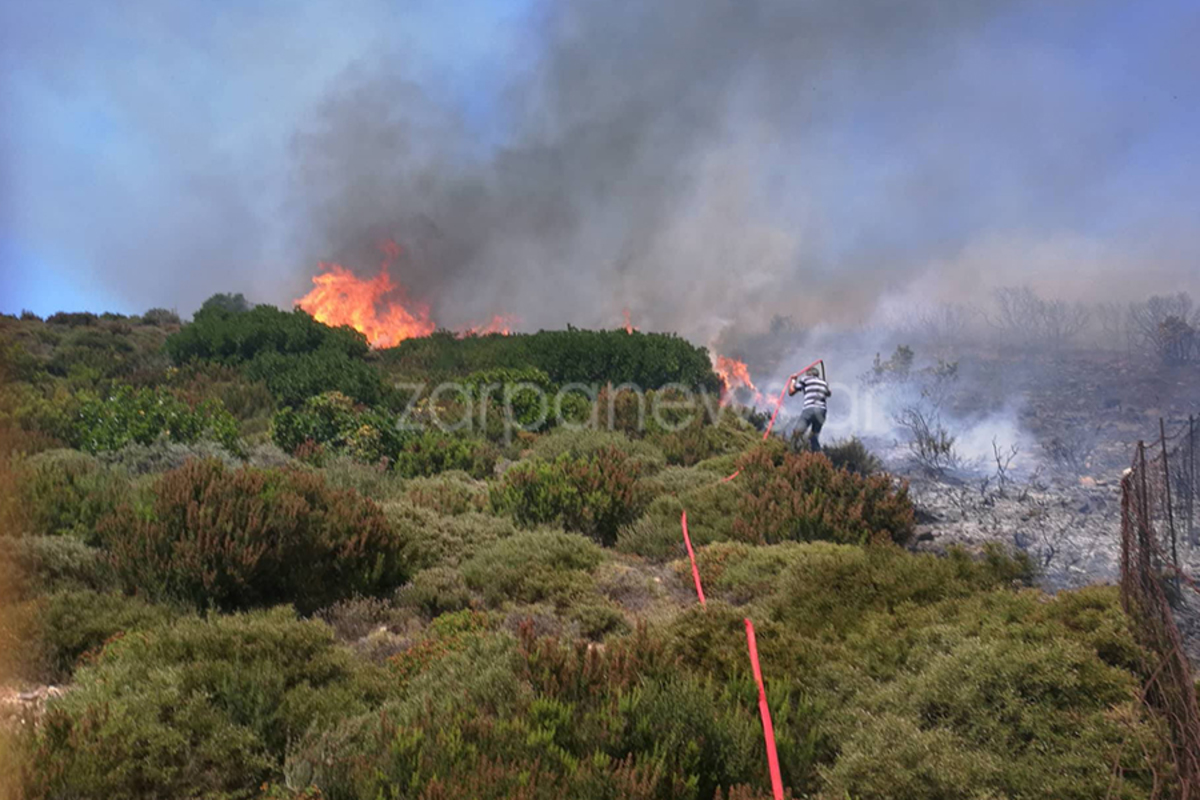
(629, 326)
(377, 307)
(734, 375)
(501, 323)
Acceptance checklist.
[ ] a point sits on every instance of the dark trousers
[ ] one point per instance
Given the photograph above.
(812, 419)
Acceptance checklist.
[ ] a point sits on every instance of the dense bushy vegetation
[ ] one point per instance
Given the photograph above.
(214, 537)
(255, 584)
(648, 360)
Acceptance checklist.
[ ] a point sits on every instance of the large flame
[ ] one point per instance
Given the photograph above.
(376, 307)
(734, 375)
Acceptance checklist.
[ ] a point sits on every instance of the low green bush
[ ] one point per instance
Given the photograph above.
(452, 632)
(433, 452)
(522, 395)
(339, 425)
(65, 492)
(650, 360)
(54, 632)
(160, 317)
(549, 719)
(435, 591)
(199, 708)
(33, 565)
(822, 586)
(532, 566)
(229, 336)
(593, 495)
(712, 509)
(245, 399)
(373, 480)
(678, 481)
(232, 539)
(450, 493)
(143, 415)
(701, 440)
(802, 497)
(587, 443)
(433, 539)
(292, 378)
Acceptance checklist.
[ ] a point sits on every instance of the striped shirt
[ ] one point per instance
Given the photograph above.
(815, 391)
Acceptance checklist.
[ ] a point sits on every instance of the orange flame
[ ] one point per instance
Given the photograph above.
(376, 307)
(501, 324)
(629, 326)
(734, 375)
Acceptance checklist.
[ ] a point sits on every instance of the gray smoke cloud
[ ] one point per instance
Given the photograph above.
(709, 165)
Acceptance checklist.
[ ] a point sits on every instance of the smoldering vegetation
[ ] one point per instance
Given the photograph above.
(950, 388)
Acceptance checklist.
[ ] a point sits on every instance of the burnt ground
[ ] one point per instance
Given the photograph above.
(1080, 417)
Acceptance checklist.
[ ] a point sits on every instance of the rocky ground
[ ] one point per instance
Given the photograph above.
(24, 706)
(1081, 417)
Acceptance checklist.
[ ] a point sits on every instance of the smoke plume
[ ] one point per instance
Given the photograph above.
(709, 165)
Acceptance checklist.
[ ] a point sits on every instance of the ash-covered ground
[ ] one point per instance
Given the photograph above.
(1039, 446)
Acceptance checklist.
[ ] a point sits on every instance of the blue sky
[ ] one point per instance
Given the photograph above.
(113, 119)
(148, 155)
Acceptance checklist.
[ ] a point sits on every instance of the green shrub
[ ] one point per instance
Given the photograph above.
(55, 631)
(200, 708)
(222, 301)
(699, 440)
(101, 351)
(433, 452)
(712, 509)
(32, 565)
(452, 632)
(821, 586)
(649, 360)
(239, 538)
(293, 354)
(72, 318)
(595, 495)
(143, 415)
(160, 317)
(597, 619)
(998, 680)
(64, 492)
(533, 566)
(340, 426)
(292, 378)
(801, 497)
(373, 480)
(564, 720)
(434, 539)
(162, 455)
(450, 493)
(587, 443)
(522, 390)
(234, 337)
(243, 398)
(437, 590)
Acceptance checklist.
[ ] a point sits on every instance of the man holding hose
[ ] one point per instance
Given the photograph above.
(816, 391)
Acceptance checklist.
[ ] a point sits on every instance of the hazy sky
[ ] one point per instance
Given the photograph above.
(703, 162)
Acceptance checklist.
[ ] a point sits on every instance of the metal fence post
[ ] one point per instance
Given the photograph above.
(1162, 430)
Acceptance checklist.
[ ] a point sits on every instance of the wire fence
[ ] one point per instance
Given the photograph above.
(1158, 520)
